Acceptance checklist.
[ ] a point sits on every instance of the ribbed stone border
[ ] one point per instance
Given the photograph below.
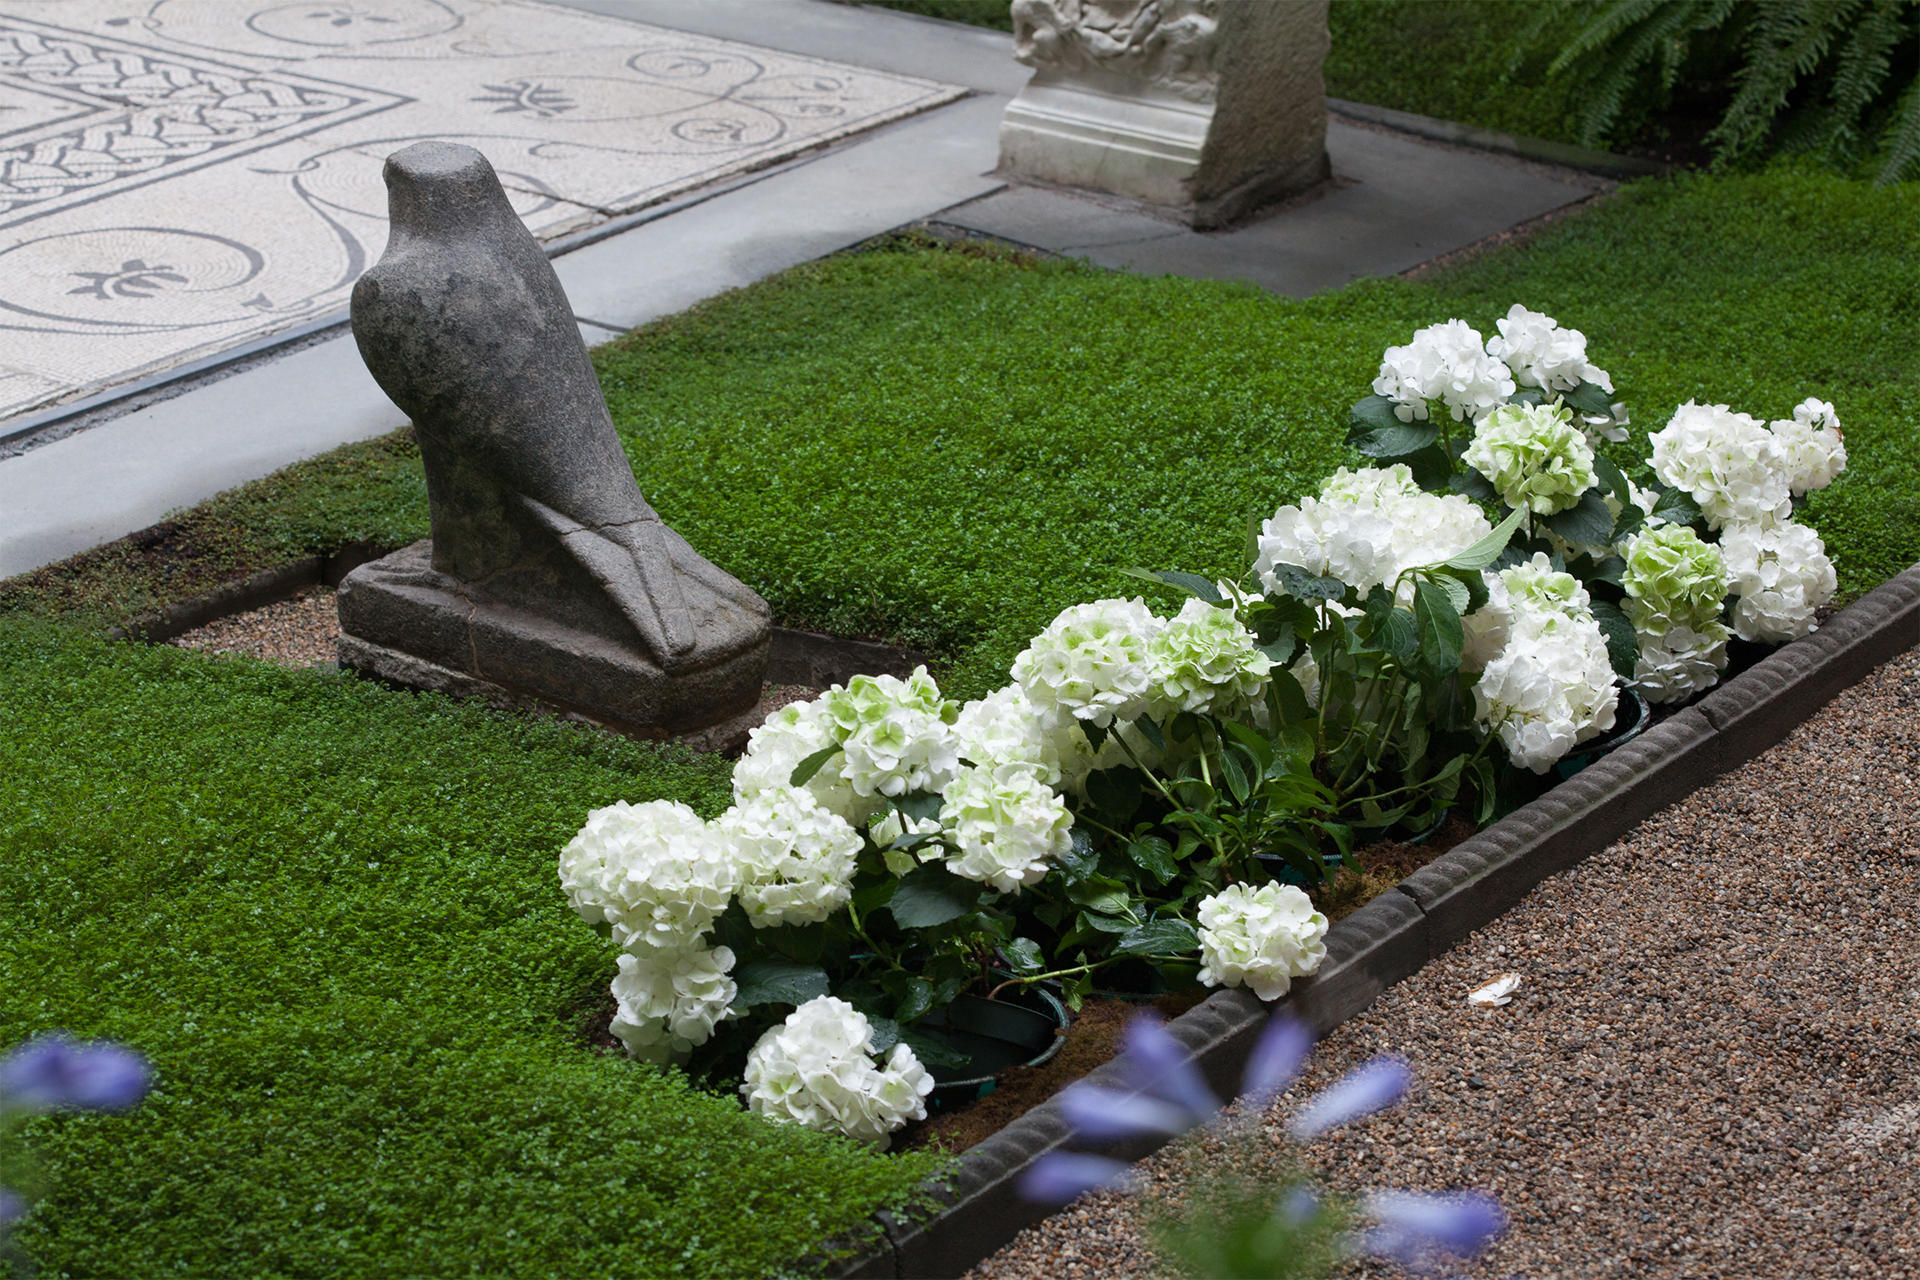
(978, 1209)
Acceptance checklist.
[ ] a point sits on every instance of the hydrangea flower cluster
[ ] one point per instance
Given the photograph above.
(776, 748)
(1811, 450)
(1004, 728)
(1533, 456)
(1542, 354)
(796, 858)
(1204, 660)
(1676, 585)
(816, 1069)
(1551, 686)
(1092, 662)
(669, 1000)
(896, 734)
(654, 872)
(1366, 528)
(1260, 938)
(1780, 575)
(1727, 462)
(1444, 362)
(1008, 826)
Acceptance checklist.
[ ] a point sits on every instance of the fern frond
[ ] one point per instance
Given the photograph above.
(1787, 43)
(1618, 17)
(1861, 71)
(1903, 152)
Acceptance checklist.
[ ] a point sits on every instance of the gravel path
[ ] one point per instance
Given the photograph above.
(1713, 1066)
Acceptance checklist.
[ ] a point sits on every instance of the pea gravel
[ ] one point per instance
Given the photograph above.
(1712, 1066)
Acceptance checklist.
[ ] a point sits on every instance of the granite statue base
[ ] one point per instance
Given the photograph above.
(403, 621)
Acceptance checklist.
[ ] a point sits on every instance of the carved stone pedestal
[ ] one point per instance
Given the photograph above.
(1207, 109)
(406, 622)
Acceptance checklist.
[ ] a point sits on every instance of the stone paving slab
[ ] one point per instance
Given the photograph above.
(176, 178)
(1396, 202)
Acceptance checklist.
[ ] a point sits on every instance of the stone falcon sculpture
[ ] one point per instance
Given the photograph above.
(547, 574)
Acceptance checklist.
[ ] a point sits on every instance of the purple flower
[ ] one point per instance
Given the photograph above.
(1371, 1087)
(1102, 1115)
(1155, 1063)
(1275, 1061)
(1417, 1228)
(55, 1071)
(12, 1208)
(1060, 1176)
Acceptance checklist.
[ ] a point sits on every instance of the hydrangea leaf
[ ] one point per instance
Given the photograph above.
(1591, 399)
(1472, 484)
(1587, 522)
(1158, 938)
(804, 771)
(1678, 507)
(1375, 413)
(1437, 624)
(777, 982)
(1023, 956)
(1623, 646)
(933, 1051)
(931, 895)
(1301, 585)
(1155, 857)
(1484, 552)
(1398, 441)
(1115, 792)
(1190, 583)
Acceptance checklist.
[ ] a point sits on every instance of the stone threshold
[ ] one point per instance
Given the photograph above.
(978, 1208)
(808, 658)
(1539, 150)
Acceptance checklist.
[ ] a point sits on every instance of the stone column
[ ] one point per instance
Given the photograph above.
(1207, 109)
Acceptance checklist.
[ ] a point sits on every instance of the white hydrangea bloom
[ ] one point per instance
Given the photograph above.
(1366, 528)
(1536, 584)
(776, 748)
(1261, 938)
(796, 857)
(1486, 627)
(1092, 662)
(1204, 660)
(1447, 362)
(1551, 686)
(1004, 728)
(1779, 575)
(1672, 579)
(898, 734)
(816, 1070)
(655, 872)
(1681, 661)
(1729, 463)
(1811, 449)
(1533, 456)
(668, 1000)
(1007, 826)
(1542, 354)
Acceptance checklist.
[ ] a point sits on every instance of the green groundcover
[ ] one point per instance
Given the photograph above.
(328, 910)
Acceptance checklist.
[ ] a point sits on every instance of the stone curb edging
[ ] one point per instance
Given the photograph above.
(1509, 144)
(1397, 933)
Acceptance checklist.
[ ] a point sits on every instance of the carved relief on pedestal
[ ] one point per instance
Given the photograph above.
(1206, 108)
(1168, 44)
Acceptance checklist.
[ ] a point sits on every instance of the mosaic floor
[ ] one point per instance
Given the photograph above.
(182, 176)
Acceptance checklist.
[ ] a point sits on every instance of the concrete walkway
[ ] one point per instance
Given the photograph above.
(89, 472)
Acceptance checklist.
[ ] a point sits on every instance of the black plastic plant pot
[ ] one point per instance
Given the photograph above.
(1022, 1028)
(1630, 721)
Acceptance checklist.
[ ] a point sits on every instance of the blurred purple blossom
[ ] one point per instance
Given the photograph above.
(56, 1071)
(1275, 1061)
(1419, 1229)
(1060, 1176)
(1155, 1063)
(1372, 1086)
(12, 1208)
